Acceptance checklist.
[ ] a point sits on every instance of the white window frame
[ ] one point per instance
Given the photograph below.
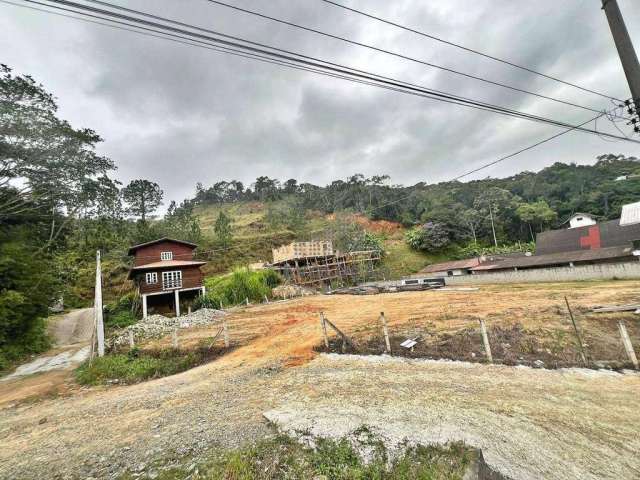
(151, 278)
(172, 279)
(166, 255)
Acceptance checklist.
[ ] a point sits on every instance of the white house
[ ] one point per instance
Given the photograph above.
(581, 220)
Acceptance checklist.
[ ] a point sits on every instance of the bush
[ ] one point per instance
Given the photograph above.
(120, 314)
(431, 237)
(138, 365)
(284, 457)
(234, 288)
(476, 250)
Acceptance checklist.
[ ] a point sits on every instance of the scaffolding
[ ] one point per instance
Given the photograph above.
(321, 270)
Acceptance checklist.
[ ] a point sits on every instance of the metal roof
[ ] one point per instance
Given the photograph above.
(561, 258)
(630, 214)
(453, 265)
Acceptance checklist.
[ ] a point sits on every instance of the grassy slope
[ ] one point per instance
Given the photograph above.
(253, 240)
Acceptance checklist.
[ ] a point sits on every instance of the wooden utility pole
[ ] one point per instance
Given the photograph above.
(624, 46)
(577, 332)
(626, 341)
(485, 340)
(385, 331)
(97, 307)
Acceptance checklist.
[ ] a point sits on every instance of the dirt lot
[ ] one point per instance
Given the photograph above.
(531, 423)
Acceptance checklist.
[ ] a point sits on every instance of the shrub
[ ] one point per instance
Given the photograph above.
(137, 365)
(234, 288)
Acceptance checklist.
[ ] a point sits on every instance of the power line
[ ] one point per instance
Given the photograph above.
(395, 54)
(241, 53)
(471, 50)
(403, 87)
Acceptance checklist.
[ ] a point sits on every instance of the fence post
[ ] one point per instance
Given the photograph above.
(132, 342)
(247, 301)
(175, 338)
(385, 331)
(626, 341)
(266, 300)
(575, 329)
(225, 333)
(324, 330)
(485, 340)
(221, 305)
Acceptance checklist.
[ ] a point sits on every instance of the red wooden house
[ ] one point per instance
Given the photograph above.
(164, 268)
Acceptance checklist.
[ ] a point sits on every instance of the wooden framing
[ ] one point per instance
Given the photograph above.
(352, 267)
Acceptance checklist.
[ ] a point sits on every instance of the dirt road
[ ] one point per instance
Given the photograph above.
(555, 424)
(49, 373)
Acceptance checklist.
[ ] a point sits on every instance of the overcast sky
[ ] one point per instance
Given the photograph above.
(178, 114)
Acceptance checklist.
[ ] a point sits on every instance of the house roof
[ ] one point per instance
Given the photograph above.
(164, 264)
(561, 258)
(579, 214)
(453, 265)
(163, 239)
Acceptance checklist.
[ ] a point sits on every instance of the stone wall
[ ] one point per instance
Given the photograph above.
(605, 271)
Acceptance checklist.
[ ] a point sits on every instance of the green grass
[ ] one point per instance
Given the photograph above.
(401, 260)
(234, 288)
(285, 458)
(138, 365)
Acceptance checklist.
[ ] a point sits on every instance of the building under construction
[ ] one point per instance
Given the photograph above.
(315, 264)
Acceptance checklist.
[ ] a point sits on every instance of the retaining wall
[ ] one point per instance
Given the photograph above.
(605, 271)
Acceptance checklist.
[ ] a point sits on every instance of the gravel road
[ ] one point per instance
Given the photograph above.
(531, 424)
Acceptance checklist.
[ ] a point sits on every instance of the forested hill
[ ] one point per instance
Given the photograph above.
(454, 211)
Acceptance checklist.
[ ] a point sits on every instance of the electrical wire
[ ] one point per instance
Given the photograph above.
(322, 64)
(467, 49)
(388, 52)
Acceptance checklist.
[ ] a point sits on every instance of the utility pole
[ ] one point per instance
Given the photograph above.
(97, 307)
(627, 54)
(493, 228)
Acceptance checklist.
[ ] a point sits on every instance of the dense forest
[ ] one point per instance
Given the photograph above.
(492, 210)
(60, 202)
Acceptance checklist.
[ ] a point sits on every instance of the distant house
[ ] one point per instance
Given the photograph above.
(581, 220)
(166, 273)
(451, 269)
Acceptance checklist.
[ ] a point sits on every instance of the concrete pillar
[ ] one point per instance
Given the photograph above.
(204, 290)
(177, 294)
(144, 306)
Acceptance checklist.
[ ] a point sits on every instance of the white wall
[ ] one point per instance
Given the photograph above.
(605, 271)
(581, 221)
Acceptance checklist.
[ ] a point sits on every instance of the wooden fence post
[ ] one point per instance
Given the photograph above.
(323, 324)
(225, 333)
(175, 338)
(266, 300)
(385, 331)
(575, 329)
(626, 341)
(132, 342)
(221, 305)
(485, 340)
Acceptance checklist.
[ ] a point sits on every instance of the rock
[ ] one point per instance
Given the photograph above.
(42, 420)
(157, 326)
(538, 364)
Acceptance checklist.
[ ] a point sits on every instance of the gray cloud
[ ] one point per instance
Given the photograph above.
(178, 114)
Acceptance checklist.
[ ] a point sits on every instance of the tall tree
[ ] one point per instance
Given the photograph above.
(222, 229)
(143, 197)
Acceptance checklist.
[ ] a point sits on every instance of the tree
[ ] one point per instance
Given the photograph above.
(431, 237)
(289, 213)
(538, 213)
(143, 197)
(497, 205)
(55, 165)
(222, 229)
